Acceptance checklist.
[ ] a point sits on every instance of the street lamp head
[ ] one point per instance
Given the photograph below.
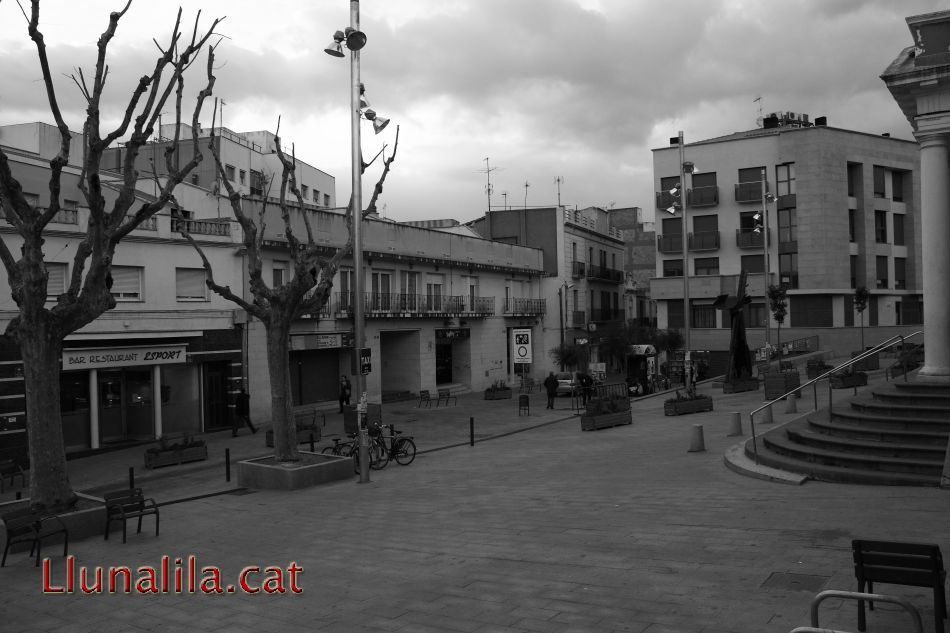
(675, 190)
(671, 210)
(355, 40)
(379, 123)
(689, 168)
(336, 46)
(769, 198)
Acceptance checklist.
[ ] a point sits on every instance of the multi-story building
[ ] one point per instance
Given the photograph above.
(639, 264)
(583, 267)
(845, 214)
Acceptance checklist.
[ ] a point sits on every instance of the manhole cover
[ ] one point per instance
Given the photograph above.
(795, 582)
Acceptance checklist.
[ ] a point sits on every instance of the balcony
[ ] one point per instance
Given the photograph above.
(577, 270)
(524, 307)
(704, 241)
(602, 315)
(749, 238)
(201, 227)
(669, 243)
(703, 196)
(749, 191)
(665, 200)
(604, 274)
(405, 305)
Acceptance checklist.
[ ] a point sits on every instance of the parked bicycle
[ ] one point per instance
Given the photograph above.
(350, 448)
(400, 449)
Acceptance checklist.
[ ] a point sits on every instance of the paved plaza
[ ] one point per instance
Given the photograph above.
(550, 529)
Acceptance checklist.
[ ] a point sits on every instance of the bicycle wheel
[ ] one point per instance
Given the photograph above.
(379, 456)
(328, 451)
(405, 450)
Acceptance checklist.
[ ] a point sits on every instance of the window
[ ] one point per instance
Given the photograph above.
(900, 273)
(785, 179)
(749, 187)
(706, 266)
(229, 172)
(242, 174)
(32, 199)
(316, 196)
(434, 293)
(257, 183)
(278, 273)
(898, 229)
(409, 289)
(753, 263)
(787, 226)
(879, 179)
(881, 268)
(127, 283)
(326, 199)
(672, 267)
(674, 313)
(56, 284)
(897, 186)
(880, 227)
(852, 213)
(190, 284)
(381, 289)
(304, 191)
(811, 311)
(346, 291)
(754, 314)
(854, 271)
(704, 191)
(788, 269)
(704, 316)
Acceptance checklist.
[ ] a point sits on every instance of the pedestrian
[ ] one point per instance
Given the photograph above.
(345, 390)
(587, 387)
(550, 384)
(242, 413)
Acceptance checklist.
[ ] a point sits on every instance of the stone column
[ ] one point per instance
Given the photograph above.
(935, 231)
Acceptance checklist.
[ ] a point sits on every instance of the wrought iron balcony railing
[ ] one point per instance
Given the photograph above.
(604, 273)
(527, 307)
(704, 241)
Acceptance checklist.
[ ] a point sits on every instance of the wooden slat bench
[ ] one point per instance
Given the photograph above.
(26, 526)
(444, 396)
(911, 564)
(122, 505)
(424, 397)
(9, 471)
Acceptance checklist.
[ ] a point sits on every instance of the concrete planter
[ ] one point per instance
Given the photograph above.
(158, 458)
(780, 383)
(845, 381)
(497, 394)
(681, 407)
(605, 420)
(313, 469)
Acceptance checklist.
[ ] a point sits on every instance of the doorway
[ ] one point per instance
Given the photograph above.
(443, 363)
(125, 405)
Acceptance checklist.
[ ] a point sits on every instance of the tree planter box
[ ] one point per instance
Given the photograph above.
(681, 407)
(605, 420)
(738, 386)
(780, 383)
(844, 381)
(313, 469)
(497, 394)
(172, 456)
(869, 363)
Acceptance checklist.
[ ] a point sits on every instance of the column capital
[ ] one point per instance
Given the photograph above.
(932, 138)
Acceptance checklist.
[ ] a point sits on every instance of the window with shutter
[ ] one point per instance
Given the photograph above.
(56, 285)
(127, 283)
(190, 284)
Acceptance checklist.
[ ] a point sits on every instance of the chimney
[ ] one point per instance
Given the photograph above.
(821, 120)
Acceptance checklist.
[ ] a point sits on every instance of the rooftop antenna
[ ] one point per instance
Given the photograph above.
(488, 187)
(558, 182)
(504, 194)
(759, 120)
(526, 185)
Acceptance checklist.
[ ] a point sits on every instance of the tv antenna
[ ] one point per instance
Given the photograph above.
(488, 188)
(759, 120)
(504, 194)
(526, 185)
(557, 182)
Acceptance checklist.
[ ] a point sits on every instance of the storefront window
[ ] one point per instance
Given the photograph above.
(74, 408)
(180, 410)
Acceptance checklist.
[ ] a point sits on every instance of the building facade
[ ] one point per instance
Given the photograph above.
(841, 211)
(639, 264)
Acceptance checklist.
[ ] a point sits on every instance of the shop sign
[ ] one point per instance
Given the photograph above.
(320, 341)
(123, 356)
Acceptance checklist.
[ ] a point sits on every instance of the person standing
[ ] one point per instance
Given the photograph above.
(550, 384)
(345, 391)
(242, 413)
(587, 387)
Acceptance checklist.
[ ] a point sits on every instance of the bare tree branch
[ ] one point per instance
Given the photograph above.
(378, 189)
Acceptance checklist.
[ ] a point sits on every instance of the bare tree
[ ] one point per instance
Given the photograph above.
(307, 290)
(38, 329)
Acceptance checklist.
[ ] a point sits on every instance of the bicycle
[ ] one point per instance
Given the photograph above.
(350, 448)
(401, 449)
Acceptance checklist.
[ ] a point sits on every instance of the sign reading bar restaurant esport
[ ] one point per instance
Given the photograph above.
(93, 358)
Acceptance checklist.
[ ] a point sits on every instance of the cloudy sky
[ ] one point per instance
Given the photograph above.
(573, 90)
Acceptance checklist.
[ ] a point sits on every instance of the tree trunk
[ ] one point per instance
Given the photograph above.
(50, 490)
(278, 363)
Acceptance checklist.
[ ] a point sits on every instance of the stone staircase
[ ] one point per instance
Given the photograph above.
(893, 434)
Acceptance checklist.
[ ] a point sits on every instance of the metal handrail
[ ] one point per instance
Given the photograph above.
(860, 597)
(860, 357)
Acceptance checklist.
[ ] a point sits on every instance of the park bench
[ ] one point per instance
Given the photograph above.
(9, 471)
(305, 421)
(424, 397)
(122, 505)
(27, 526)
(444, 396)
(911, 564)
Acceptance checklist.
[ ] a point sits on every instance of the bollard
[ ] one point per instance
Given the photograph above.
(471, 431)
(767, 415)
(696, 444)
(131, 477)
(311, 443)
(735, 426)
(790, 404)
(227, 464)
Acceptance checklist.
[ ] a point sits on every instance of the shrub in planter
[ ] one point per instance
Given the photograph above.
(175, 450)
(690, 402)
(498, 391)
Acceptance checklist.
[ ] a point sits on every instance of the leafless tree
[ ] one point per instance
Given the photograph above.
(39, 329)
(307, 290)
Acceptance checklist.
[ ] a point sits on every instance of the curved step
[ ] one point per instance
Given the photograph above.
(860, 431)
(880, 421)
(878, 448)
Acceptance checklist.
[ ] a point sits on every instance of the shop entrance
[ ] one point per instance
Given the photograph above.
(443, 362)
(125, 405)
(216, 395)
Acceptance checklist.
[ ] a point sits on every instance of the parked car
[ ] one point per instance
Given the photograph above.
(567, 383)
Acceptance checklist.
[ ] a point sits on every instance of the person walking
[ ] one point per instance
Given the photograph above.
(242, 413)
(550, 384)
(345, 391)
(587, 387)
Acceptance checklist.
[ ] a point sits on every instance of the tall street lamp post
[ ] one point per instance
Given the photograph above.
(767, 198)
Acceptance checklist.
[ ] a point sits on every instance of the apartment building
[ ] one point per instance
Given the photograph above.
(840, 210)
(639, 263)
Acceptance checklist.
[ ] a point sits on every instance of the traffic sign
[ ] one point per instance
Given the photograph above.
(521, 339)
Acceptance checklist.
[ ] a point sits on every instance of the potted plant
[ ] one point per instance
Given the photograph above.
(688, 402)
(175, 449)
(850, 378)
(499, 390)
(605, 411)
